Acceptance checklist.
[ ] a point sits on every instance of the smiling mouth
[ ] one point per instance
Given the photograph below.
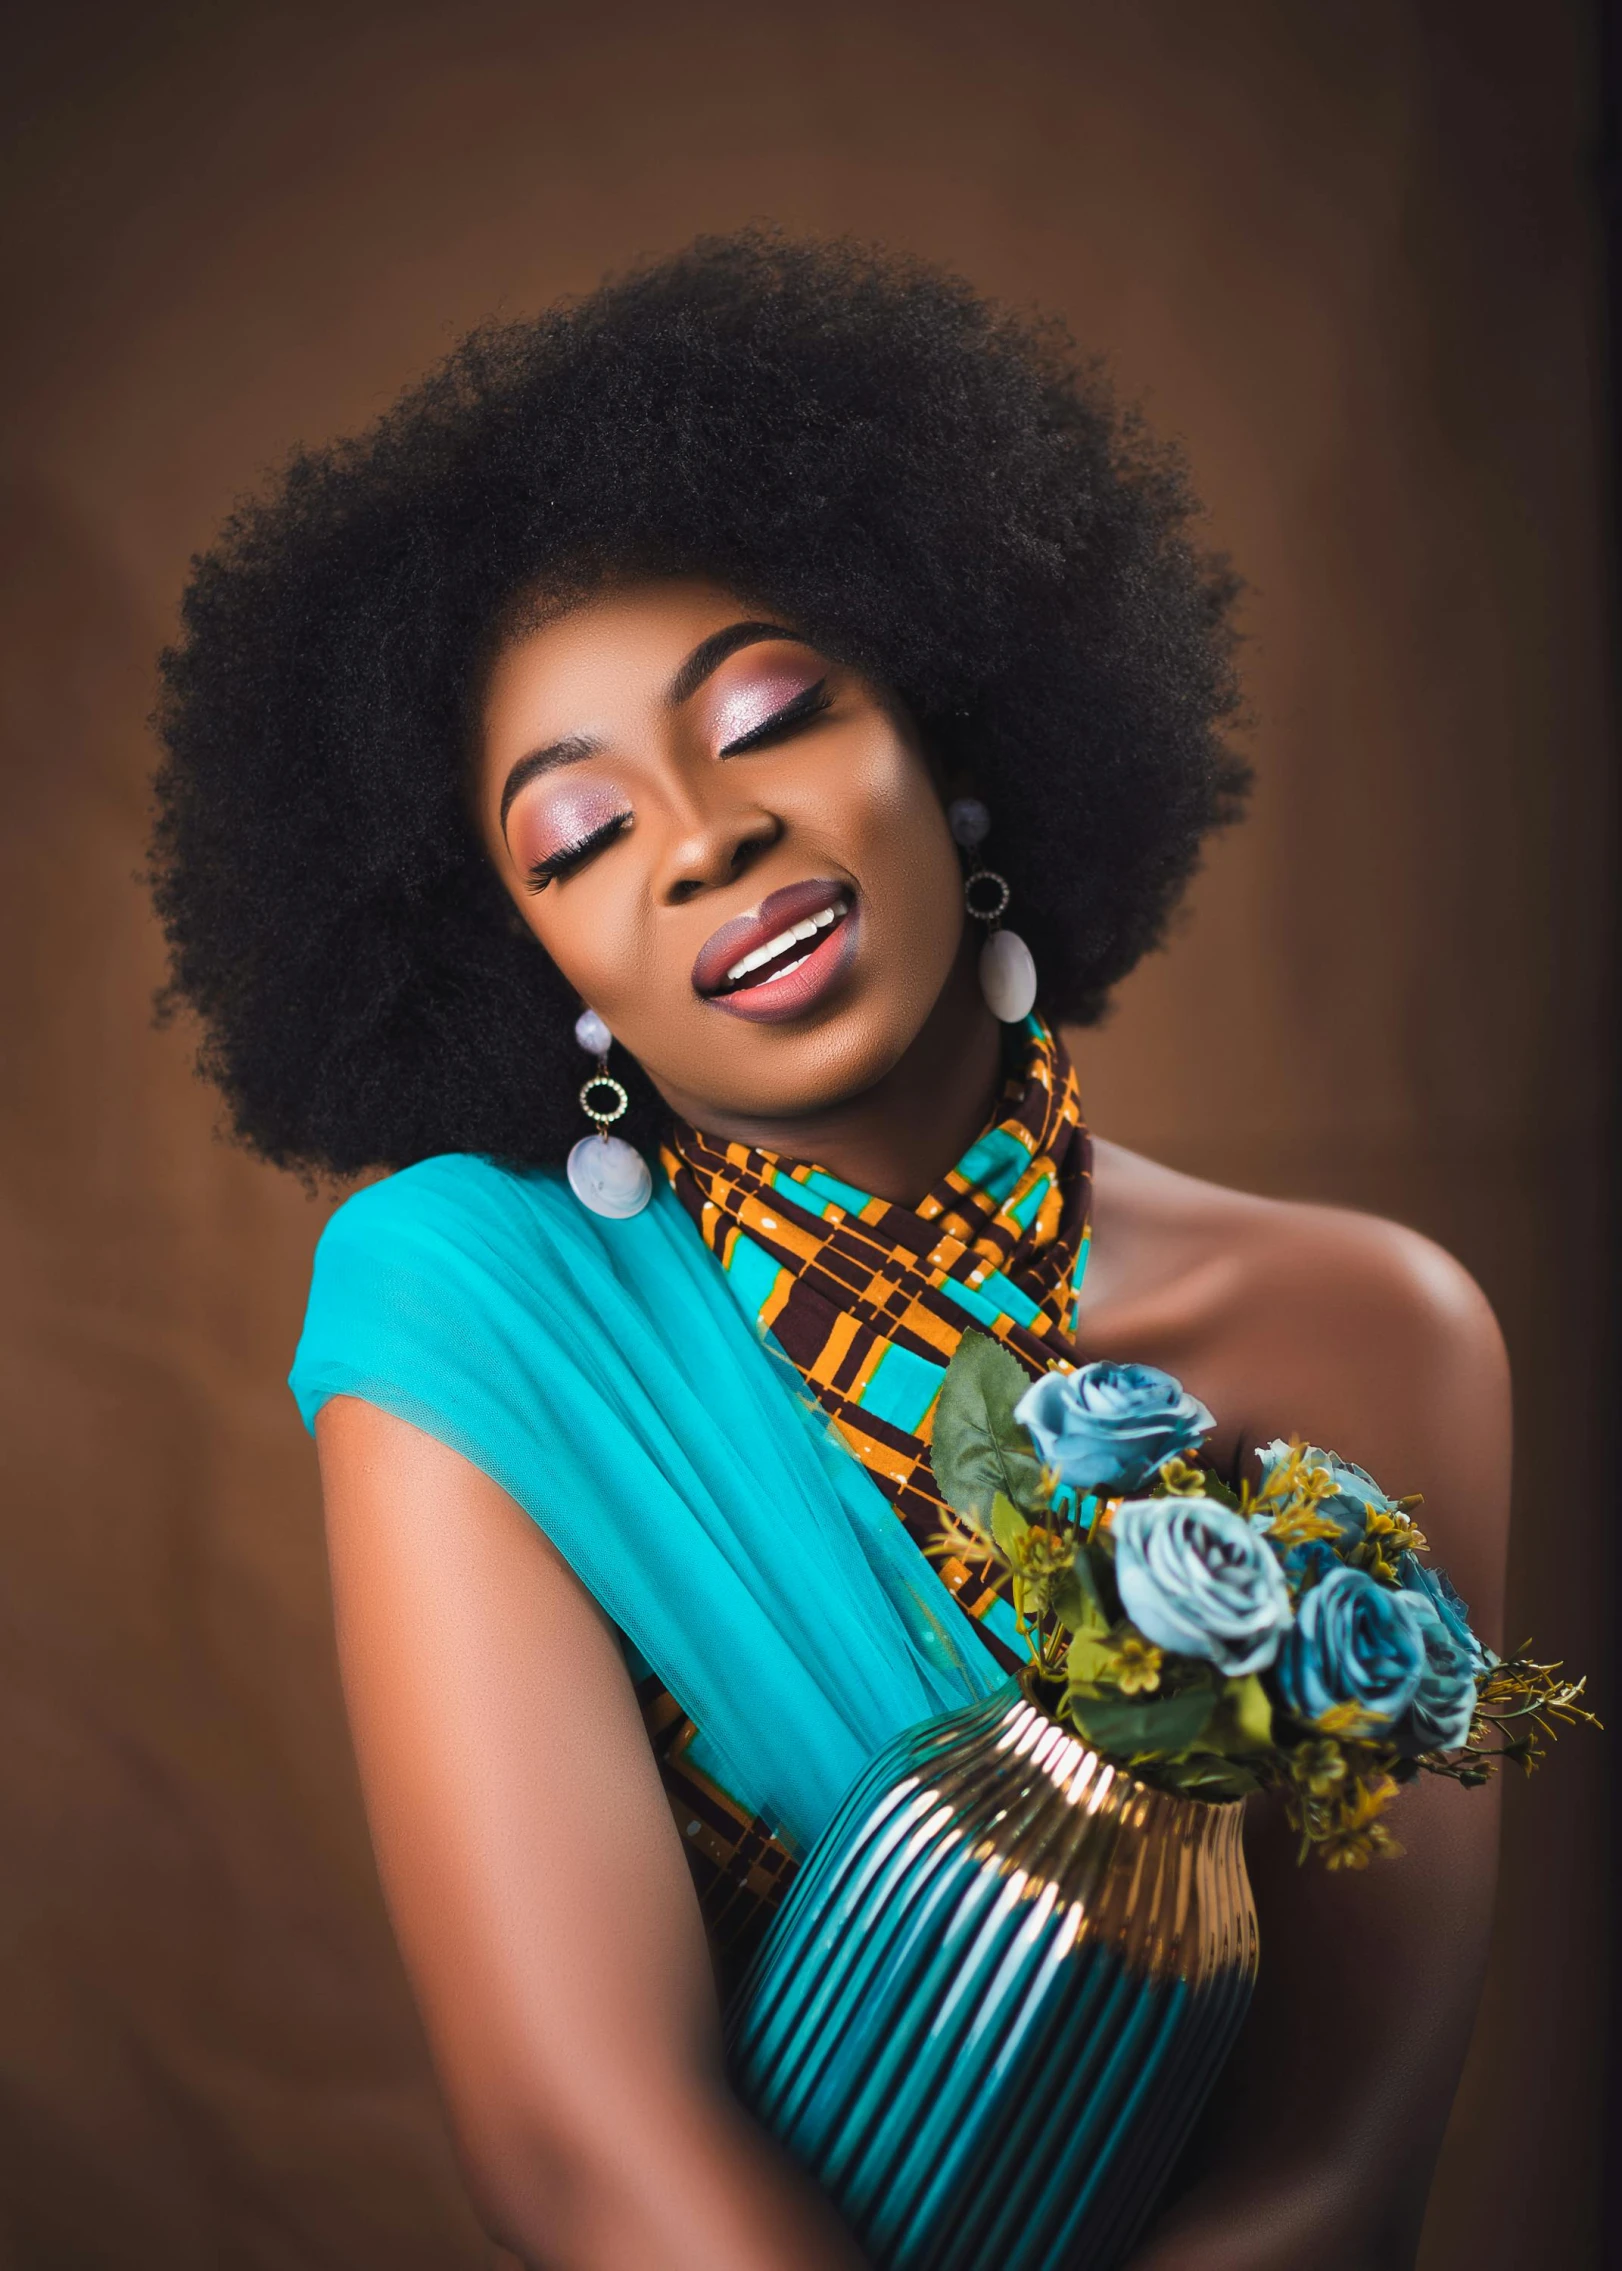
(785, 953)
(781, 960)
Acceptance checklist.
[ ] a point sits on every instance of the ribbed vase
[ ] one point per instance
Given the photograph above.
(997, 1996)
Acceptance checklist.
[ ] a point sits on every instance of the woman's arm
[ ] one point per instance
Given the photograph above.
(1318, 2150)
(539, 1893)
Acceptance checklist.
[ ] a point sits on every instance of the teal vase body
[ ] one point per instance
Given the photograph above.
(997, 1996)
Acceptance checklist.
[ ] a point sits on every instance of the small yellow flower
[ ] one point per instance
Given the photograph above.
(1320, 1768)
(1039, 1559)
(1297, 1525)
(1356, 1848)
(1136, 1670)
(1039, 1552)
(1350, 1833)
(1386, 1537)
(1294, 1477)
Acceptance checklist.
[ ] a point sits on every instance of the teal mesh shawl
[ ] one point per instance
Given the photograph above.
(604, 1375)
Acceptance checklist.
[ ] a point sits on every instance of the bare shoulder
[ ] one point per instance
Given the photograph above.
(1297, 1319)
(1160, 1233)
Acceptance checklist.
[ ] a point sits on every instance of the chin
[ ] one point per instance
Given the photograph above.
(796, 1076)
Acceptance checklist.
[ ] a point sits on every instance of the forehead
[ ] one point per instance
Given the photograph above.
(611, 656)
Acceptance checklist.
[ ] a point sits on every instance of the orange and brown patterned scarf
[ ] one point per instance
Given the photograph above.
(869, 1300)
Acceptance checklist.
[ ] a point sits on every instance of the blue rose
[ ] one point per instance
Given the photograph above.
(1199, 1580)
(1309, 1563)
(1444, 1702)
(1354, 1642)
(1425, 1582)
(1108, 1427)
(1354, 1494)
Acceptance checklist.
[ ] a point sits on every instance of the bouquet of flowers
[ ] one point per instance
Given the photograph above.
(1291, 1636)
(1010, 1970)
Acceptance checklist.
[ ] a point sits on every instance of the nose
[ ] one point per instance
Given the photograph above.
(714, 846)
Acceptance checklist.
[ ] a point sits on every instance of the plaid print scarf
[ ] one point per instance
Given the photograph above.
(869, 1299)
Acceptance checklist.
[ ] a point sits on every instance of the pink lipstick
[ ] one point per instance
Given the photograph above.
(778, 962)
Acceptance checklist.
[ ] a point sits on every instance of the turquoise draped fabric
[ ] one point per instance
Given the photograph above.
(604, 1376)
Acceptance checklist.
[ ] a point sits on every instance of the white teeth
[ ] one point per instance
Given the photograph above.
(787, 967)
(785, 939)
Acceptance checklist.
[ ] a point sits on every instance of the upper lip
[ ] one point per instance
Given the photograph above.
(777, 912)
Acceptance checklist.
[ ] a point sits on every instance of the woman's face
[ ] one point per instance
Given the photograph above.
(730, 845)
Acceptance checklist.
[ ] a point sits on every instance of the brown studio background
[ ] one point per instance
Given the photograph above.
(1349, 253)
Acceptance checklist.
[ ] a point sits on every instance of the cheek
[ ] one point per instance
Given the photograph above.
(594, 927)
(900, 835)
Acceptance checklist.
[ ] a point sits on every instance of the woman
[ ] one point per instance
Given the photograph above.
(667, 659)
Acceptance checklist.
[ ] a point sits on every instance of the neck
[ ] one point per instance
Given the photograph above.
(898, 1138)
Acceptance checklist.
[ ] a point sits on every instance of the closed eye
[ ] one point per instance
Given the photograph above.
(804, 707)
(557, 866)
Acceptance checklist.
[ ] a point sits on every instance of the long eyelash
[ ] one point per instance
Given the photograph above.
(804, 707)
(800, 711)
(560, 864)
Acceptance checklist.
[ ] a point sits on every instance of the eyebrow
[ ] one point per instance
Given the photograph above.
(710, 653)
(706, 658)
(568, 751)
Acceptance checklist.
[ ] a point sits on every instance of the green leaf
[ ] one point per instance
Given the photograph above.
(1163, 1728)
(1074, 1599)
(1207, 1776)
(1090, 1657)
(1251, 1712)
(1008, 1524)
(979, 1449)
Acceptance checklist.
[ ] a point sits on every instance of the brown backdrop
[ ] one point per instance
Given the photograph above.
(1347, 252)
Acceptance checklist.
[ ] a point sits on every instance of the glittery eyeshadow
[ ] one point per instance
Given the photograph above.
(748, 700)
(552, 819)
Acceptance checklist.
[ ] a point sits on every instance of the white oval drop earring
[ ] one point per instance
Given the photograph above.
(1007, 972)
(606, 1174)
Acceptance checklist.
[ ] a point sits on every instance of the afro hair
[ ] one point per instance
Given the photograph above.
(934, 491)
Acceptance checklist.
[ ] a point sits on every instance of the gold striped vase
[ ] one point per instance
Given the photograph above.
(998, 1994)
